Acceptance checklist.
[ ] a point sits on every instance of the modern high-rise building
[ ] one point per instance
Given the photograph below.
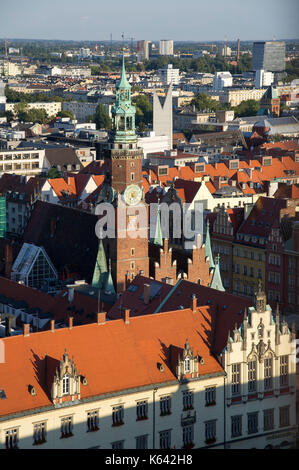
(169, 75)
(142, 50)
(269, 56)
(263, 78)
(166, 47)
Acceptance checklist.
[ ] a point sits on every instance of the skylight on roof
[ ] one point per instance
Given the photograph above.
(2, 394)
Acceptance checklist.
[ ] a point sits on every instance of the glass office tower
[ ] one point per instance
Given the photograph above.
(269, 56)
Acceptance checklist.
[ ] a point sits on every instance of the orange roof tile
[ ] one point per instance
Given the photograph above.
(138, 347)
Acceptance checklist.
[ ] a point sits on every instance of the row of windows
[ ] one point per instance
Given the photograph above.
(247, 271)
(252, 421)
(40, 434)
(252, 376)
(249, 254)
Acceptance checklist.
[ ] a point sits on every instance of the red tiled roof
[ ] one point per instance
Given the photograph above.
(133, 349)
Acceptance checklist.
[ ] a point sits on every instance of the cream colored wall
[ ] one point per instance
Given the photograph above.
(132, 428)
(242, 408)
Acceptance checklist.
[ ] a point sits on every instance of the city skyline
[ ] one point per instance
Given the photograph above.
(229, 21)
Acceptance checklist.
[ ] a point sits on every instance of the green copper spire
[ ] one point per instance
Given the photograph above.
(123, 82)
(109, 286)
(123, 111)
(100, 269)
(216, 282)
(208, 248)
(158, 240)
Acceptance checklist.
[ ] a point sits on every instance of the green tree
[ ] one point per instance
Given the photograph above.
(247, 108)
(144, 110)
(102, 119)
(68, 114)
(204, 102)
(54, 173)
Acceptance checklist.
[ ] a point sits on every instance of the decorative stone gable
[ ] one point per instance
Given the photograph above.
(66, 385)
(187, 366)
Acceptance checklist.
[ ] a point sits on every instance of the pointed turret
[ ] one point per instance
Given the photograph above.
(100, 270)
(158, 240)
(208, 247)
(109, 286)
(216, 282)
(277, 326)
(123, 82)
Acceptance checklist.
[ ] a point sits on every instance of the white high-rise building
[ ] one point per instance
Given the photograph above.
(2, 96)
(263, 78)
(169, 75)
(166, 47)
(222, 80)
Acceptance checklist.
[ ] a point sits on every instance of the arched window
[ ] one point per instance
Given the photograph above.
(65, 384)
(187, 364)
(260, 331)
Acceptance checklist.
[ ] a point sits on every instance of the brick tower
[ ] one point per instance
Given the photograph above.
(123, 162)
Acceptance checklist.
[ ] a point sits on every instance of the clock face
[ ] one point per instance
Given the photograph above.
(132, 195)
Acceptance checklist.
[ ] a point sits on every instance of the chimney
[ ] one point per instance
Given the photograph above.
(147, 293)
(126, 316)
(7, 326)
(71, 322)
(194, 303)
(71, 294)
(52, 325)
(101, 318)
(8, 260)
(26, 329)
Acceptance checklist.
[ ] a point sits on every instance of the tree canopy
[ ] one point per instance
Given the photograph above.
(101, 118)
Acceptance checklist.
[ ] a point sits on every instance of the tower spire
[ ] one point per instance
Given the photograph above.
(216, 282)
(208, 248)
(158, 240)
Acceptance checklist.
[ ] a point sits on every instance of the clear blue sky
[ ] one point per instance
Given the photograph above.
(196, 20)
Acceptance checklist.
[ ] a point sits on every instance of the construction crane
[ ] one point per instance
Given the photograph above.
(128, 39)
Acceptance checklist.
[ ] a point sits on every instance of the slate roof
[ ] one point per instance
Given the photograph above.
(68, 236)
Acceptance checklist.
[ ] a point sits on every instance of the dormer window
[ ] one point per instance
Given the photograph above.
(66, 385)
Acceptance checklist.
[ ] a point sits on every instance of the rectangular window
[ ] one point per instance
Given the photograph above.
(236, 425)
(252, 422)
(268, 419)
(210, 396)
(117, 415)
(142, 442)
(251, 272)
(132, 176)
(117, 445)
(66, 427)
(236, 389)
(188, 400)
(165, 405)
(268, 373)
(210, 431)
(245, 270)
(142, 410)
(165, 439)
(92, 421)
(188, 435)
(11, 438)
(251, 376)
(284, 370)
(284, 416)
(39, 433)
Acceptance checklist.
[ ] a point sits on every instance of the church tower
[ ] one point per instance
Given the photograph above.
(128, 256)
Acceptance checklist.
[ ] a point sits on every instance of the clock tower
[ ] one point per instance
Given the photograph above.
(129, 256)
